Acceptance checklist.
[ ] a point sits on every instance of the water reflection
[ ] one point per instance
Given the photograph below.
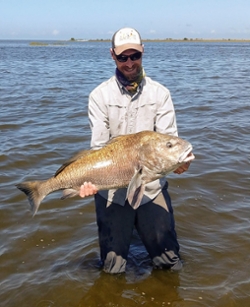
(158, 289)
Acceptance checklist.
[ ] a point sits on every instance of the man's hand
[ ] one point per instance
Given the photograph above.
(185, 166)
(182, 168)
(87, 189)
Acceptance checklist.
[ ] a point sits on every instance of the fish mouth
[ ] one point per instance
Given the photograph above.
(187, 155)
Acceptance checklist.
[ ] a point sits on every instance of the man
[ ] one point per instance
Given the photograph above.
(127, 103)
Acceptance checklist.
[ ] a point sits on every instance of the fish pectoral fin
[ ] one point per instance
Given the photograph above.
(135, 190)
(67, 193)
(135, 198)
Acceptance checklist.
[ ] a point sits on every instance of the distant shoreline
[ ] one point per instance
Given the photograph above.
(185, 40)
(44, 42)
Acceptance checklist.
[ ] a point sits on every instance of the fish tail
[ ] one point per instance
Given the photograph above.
(33, 191)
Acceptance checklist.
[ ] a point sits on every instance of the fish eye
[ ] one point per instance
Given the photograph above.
(169, 145)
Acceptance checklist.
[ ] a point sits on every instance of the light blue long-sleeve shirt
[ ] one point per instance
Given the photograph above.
(113, 111)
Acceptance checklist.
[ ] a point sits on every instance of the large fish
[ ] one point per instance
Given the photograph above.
(126, 161)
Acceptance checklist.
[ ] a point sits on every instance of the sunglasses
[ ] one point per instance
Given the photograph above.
(123, 58)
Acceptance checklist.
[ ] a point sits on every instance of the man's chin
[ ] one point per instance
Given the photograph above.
(132, 77)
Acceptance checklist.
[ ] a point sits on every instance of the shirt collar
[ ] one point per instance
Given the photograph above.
(123, 90)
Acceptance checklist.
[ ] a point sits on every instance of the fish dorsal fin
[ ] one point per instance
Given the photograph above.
(79, 155)
(136, 190)
(115, 139)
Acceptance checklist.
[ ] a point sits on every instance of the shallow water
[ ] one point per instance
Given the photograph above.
(52, 259)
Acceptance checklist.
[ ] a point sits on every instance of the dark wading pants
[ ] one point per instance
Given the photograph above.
(155, 225)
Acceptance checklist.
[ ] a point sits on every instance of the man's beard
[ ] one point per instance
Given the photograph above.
(133, 77)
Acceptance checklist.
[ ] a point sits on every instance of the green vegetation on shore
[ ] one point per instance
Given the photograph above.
(41, 44)
(38, 44)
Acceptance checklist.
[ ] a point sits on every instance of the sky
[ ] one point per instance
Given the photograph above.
(99, 19)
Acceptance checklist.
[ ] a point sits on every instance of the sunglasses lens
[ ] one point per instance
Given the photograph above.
(136, 56)
(122, 58)
(133, 57)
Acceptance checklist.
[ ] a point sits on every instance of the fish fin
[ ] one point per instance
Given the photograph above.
(32, 189)
(73, 159)
(135, 190)
(137, 197)
(67, 193)
(115, 139)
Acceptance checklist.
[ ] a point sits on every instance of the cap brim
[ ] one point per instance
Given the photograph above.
(119, 49)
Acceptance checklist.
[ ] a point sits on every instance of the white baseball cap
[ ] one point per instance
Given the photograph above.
(126, 38)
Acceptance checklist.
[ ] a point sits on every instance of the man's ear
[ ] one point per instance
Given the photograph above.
(112, 53)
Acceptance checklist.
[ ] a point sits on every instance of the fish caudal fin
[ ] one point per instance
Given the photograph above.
(32, 191)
